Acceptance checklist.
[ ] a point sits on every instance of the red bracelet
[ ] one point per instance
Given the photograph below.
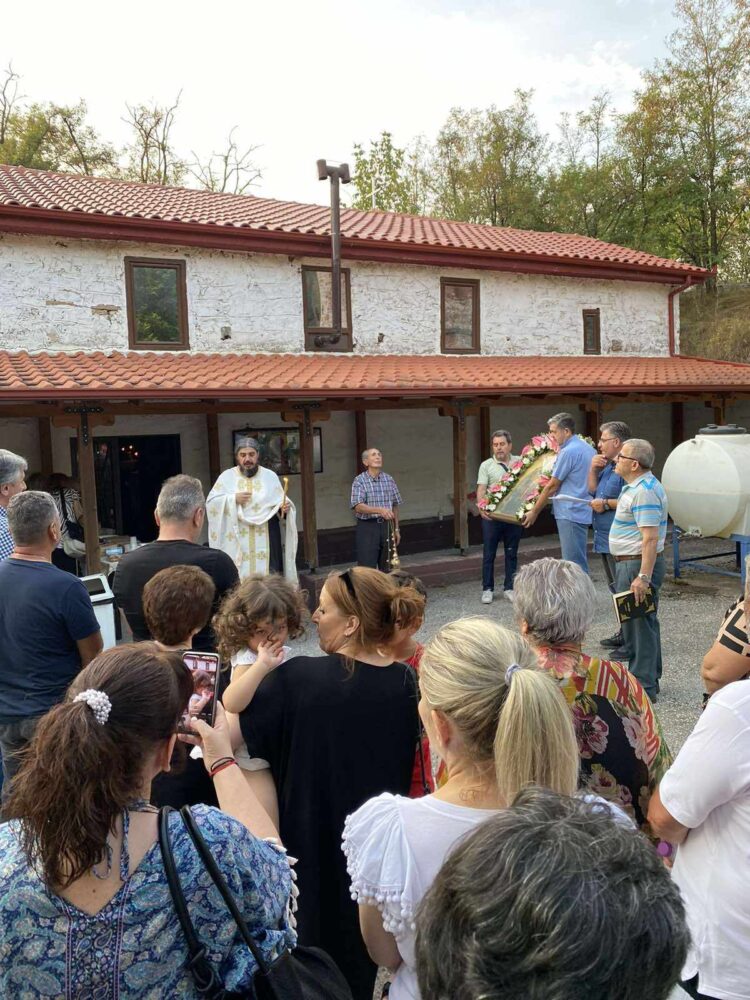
(222, 767)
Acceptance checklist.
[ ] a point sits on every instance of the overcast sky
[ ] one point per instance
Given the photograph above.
(305, 79)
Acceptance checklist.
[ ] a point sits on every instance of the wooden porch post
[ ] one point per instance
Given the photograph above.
(460, 513)
(306, 417)
(88, 494)
(45, 446)
(485, 445)
(678, 423)
(360, 431)
(214, 449)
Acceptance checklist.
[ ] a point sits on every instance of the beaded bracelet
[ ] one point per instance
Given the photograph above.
(219, 763)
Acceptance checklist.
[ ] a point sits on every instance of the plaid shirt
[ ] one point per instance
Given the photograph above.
(6, 539)
(375, 491)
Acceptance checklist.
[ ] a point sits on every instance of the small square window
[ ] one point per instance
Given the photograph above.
(157, 304)
(592, 341)
(459, 316)
(317, 306)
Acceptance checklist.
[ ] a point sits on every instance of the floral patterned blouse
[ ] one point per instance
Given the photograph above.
(134, 947)
(623, 751)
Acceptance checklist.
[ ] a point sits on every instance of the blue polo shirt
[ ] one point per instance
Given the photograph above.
(572, 469)
(609, 487)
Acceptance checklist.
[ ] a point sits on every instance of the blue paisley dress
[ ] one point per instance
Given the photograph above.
(134, 947)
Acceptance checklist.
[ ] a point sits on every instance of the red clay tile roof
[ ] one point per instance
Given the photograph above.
(28, 193)
(169, 375)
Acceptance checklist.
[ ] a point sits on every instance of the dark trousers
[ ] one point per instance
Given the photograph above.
(609, 564)
(642, 636)
(493, 532)
(691, 987)
(275, 553)
(372, 543)
(14, 737)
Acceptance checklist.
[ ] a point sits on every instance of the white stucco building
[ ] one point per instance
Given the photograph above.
(148, 323)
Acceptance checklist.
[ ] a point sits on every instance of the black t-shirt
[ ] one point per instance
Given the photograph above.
(136, 568)
(334, 739)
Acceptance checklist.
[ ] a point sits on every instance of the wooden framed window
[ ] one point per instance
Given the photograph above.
(459, 316)
(156, 293)
(317, 309)
(592, 339)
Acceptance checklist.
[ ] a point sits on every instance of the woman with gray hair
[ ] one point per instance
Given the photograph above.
(623, 752)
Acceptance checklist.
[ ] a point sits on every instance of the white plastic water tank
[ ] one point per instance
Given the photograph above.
(707, 481)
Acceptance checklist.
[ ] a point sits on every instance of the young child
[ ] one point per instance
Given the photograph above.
(407, 650)
(251, 627)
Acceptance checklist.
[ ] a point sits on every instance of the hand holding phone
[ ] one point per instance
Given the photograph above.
(204, 668)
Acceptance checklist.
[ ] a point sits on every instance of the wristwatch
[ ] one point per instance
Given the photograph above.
(642, 576)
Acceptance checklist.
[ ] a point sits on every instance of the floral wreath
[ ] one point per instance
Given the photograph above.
(541, 444)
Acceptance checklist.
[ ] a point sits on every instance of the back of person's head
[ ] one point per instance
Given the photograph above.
(406, 579)
(179, 498)
(377, 601)
(82, 770)
(255, 600)
(177, 603)
(58, 481)
(642, 451)
(12, 467)
(556, 600)
(616, 429)
(551, 899)
(565, 421)
(513, 720)
(30, 515)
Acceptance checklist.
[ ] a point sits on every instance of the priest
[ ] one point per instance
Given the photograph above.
(246, 509)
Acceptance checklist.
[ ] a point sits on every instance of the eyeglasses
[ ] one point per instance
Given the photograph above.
(628, 458)
(602, 440)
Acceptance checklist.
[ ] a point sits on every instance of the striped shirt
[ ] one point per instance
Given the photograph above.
(375, 491)
(642, 504)
(6, 539)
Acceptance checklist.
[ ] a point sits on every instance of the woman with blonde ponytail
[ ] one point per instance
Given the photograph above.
(85, 907)
(336, 730)
(499, 725)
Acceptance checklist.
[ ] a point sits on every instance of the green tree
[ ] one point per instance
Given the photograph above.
(387, 177)
(488, 165)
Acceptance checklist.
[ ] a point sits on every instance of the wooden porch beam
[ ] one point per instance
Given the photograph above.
(485, 444)
(678, 423)
(88, 493)
(460, 511)
(306, 417)
(360, 438)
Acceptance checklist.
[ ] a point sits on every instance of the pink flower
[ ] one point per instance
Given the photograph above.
(516, 466)
(482, 503)
(637, 737)
(526, 449)
(495, 488)
(591, 732)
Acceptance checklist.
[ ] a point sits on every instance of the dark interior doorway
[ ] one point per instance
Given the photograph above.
(129, 474)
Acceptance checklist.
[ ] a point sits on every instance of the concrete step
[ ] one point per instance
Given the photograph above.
(442, 567)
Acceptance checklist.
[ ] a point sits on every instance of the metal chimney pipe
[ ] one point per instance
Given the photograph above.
(336, 175)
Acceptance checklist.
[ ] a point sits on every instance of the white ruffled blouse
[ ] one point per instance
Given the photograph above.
(394, 848)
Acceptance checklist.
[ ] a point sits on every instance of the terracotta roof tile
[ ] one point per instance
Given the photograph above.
(154, 375)
(100, 197)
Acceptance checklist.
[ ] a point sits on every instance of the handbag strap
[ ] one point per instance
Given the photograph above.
(420, 730)
(204, 975)
(226, 893)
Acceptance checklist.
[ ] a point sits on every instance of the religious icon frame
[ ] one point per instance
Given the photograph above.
(280, 448)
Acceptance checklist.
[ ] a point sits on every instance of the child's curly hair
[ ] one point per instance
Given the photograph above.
(256, 599)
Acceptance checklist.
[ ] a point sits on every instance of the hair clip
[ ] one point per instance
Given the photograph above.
(98, 702)
(510, 671)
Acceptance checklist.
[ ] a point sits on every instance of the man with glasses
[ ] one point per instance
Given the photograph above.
(606, 485)
(636, 541)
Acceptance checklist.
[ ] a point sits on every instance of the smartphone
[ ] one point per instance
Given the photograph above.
(202, 705)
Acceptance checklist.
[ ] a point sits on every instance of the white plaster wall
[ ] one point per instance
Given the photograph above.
(70, 295)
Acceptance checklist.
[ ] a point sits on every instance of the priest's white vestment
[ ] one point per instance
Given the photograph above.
(240, 528)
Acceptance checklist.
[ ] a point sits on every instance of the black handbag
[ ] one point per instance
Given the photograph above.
(302, 974)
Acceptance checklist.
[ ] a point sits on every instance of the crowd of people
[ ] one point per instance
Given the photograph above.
(494, 813)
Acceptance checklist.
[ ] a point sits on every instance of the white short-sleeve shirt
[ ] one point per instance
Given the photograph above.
(708, 789)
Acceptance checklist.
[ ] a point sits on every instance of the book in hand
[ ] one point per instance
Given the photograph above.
(626, 609)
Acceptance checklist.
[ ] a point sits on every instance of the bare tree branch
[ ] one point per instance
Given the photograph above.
(232, 171)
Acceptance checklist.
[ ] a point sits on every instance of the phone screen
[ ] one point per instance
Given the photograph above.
(202, 705)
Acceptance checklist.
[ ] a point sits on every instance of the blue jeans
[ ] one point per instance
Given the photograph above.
(573, 541)
(642, 635)
(492, 533)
